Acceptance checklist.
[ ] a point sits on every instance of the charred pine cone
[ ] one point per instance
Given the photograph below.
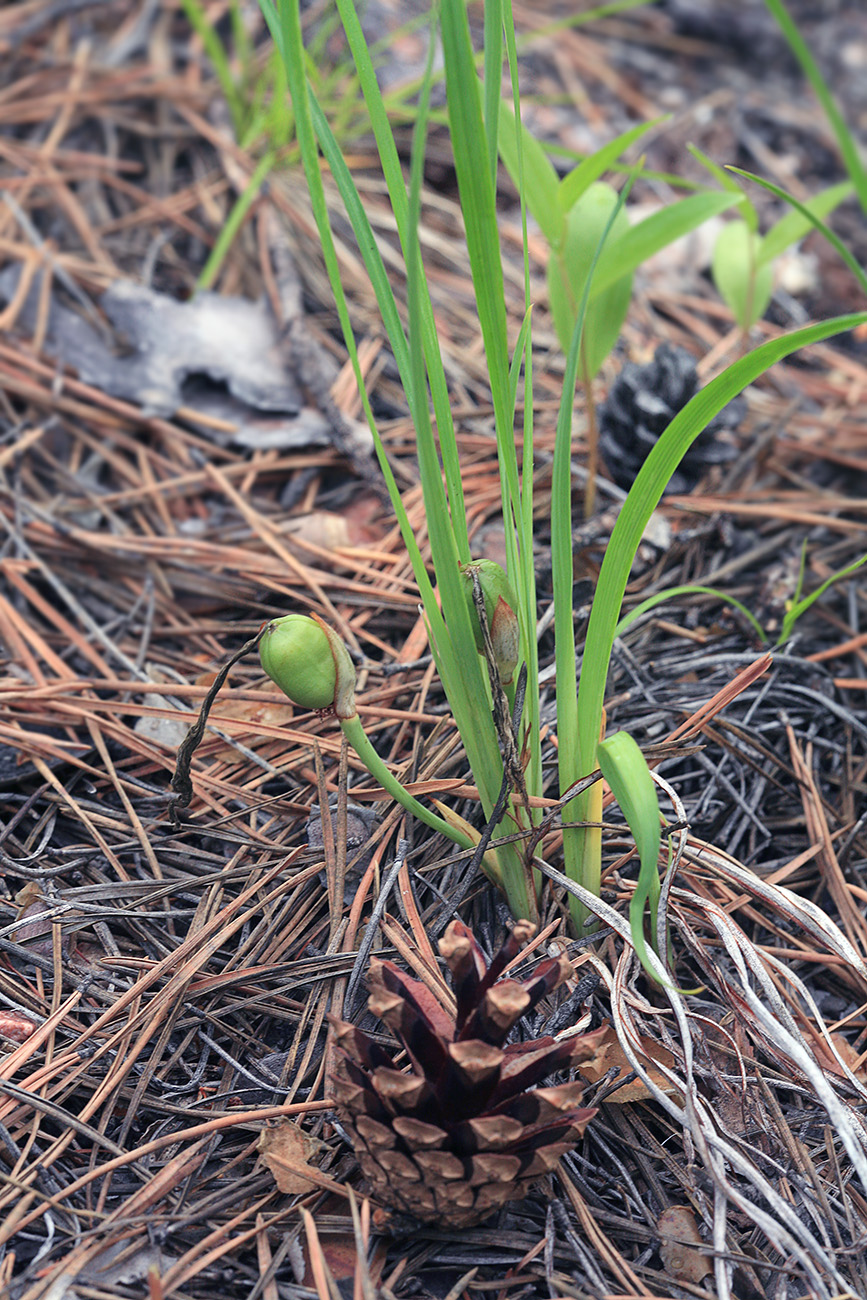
(642, 403)
(464, 1130)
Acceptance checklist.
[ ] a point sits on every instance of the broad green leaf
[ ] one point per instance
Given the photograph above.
(624, 255)
(625, 769)
(540, 180)
(579, 180)
(795, 225)
(568, 272)
(741, 282)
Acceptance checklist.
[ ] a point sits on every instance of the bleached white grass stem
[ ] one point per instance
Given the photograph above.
(788, 1235)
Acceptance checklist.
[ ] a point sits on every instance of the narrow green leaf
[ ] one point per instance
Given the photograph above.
(285, 28)
(579, 180)
(727, 182)
(216, 52)
(478, 202)
(493, 79)
(845, 138)
(581, 851)
(689, 589)
(392, 171)
(642, 500)
(655, 232)
(795, 225)
(234, 222)
(519, 541)
(536, 179)
(814, 220)
(800, 606)
(625, 769)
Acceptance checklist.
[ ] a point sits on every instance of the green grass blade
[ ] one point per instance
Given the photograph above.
(670, 593)
(234, 222)
(582, 177)
(800, 606)
(531, 171)
(471, 151)
(216, 52)
(478, 200)
(524, 574)
(642, 500)
(493, 50)
(393, 174)
(845, 138)
(286, 30)
(657, 232)
(795, 225)
(453, 642)
(810, 216)
(625, 769)
(574, 845)
(580, 19)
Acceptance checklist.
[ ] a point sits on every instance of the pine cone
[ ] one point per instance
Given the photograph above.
(464, 1131)
(642, 403)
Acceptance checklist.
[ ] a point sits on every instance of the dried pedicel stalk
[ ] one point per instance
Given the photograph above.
(465, 1130)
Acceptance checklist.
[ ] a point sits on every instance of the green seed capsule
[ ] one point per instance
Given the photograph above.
(310, 664)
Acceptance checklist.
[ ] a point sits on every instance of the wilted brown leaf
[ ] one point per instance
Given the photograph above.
(340, 1249)
(850, 1057)
(680, 1245)
(289, 1152)
(329, 531)
(35, 928)
(609, 1054)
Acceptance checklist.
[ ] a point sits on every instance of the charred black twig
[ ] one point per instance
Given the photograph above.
(181, 782)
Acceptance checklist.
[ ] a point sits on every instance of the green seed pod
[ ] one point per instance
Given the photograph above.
(500, 606)
(310, 664)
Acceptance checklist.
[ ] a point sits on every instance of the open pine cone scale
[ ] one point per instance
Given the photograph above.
(466, 1130)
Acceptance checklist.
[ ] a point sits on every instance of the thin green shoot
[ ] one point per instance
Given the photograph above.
(845, 138)
(689, 589)
(218, 55)
(800, 604)
(813, 219)
(235, 220)
(625, 769)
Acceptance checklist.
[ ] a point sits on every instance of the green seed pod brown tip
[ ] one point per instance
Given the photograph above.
(500, 607)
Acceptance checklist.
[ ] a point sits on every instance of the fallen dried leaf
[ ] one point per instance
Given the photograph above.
(330, 531)
(609, 1054)
(289, 1154)
(850, 1057)
(681, 1245)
